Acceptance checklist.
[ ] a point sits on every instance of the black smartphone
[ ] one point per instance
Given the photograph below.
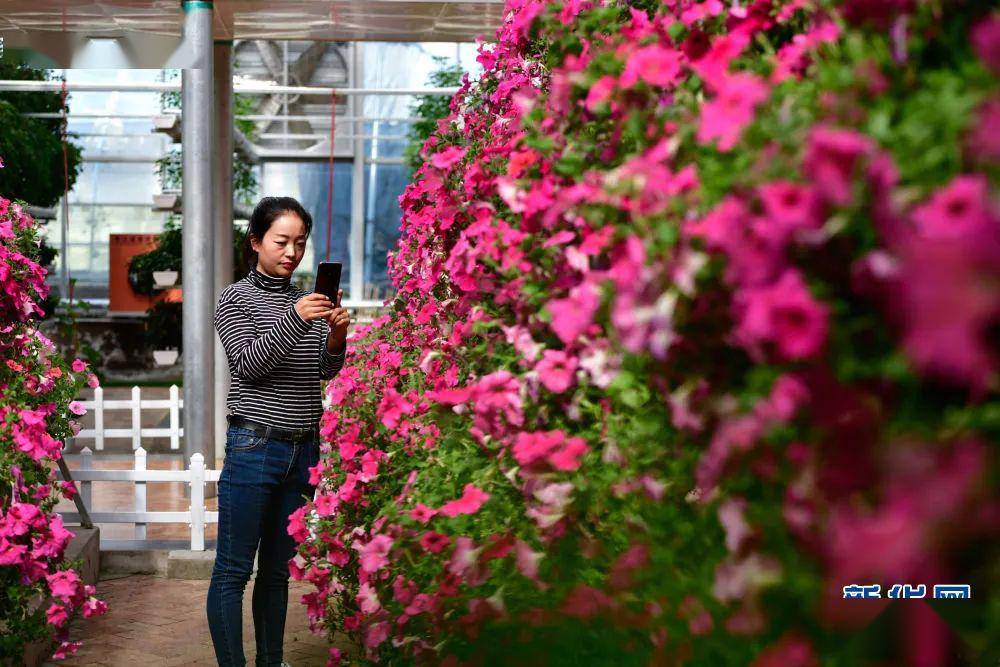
(328, 280)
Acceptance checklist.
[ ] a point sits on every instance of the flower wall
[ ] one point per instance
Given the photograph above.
(37, 411)
(696, 325)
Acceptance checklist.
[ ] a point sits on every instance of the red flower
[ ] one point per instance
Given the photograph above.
(434, 542)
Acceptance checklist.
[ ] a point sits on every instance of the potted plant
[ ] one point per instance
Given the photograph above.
(160, 267)
(163, 332)
(164, 279)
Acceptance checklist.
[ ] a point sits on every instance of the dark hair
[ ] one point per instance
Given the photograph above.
(264, 213)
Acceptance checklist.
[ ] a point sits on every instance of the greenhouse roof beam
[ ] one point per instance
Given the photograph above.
(31, 24)
(14, 85)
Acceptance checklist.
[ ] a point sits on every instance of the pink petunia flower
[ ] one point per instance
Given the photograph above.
(64, 584)
(464, 557)
(790, 207)
(784, 313)
(376, 634)
(11, 553)
(985, 38)
(959, 209)
(554, 447)
(94, 607)
(66, 649)
(947, 297)
(700, 11)
(326, 504)
(832, 159)
(654, 64)
(726, 115)
(572, 315)
(713, 65)
(367, 599)
(600, 92)
(448, 157)
(557, 370)
(527, 559)
(469, 503)
(731, 516)
(374, 554)
(392, 407)
(422, 513)
(984, 138)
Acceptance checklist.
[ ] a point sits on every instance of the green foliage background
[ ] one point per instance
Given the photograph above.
(31, 147)
(430, 109)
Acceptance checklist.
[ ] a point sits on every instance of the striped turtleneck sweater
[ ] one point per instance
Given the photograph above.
(277, 360)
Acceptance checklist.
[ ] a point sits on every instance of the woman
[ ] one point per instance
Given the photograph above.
(280, 343)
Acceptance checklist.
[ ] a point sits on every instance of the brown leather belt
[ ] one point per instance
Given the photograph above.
(293, 435)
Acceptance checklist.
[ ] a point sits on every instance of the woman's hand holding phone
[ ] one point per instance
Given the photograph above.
(314, 306)
(338, 319)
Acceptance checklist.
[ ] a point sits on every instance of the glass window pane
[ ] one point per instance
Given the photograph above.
(88, 241)
(384, 183)
(308, 182)
(115, 183)
(388, 138)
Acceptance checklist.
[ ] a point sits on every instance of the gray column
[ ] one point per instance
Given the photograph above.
(223, 169)
(198, 140)
(64, 250)
(356, 107)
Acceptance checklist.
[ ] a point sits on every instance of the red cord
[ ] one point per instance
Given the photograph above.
(329, 188)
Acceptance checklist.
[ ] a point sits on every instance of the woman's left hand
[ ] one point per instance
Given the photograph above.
(339, 319)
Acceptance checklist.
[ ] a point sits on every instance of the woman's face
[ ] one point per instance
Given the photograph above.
(282, 247)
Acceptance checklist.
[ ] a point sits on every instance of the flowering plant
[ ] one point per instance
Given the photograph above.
(695, 327)
(37, 411)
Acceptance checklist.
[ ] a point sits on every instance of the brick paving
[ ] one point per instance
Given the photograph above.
(153, 620)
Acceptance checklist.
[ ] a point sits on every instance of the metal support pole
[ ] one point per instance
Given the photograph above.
(198, 252)
(223, 227)
(64, 250)
(357, 235)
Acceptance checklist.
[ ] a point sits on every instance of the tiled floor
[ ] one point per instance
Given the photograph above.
(157, 621)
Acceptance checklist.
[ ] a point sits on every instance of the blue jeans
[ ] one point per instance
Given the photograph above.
(263, 480)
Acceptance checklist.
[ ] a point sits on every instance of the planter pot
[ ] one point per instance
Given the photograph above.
(165, 278)
(167, 201)
(165, 357)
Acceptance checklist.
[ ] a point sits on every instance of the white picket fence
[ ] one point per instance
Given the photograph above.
(196, 516)
(98, 406)
(196, 476)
